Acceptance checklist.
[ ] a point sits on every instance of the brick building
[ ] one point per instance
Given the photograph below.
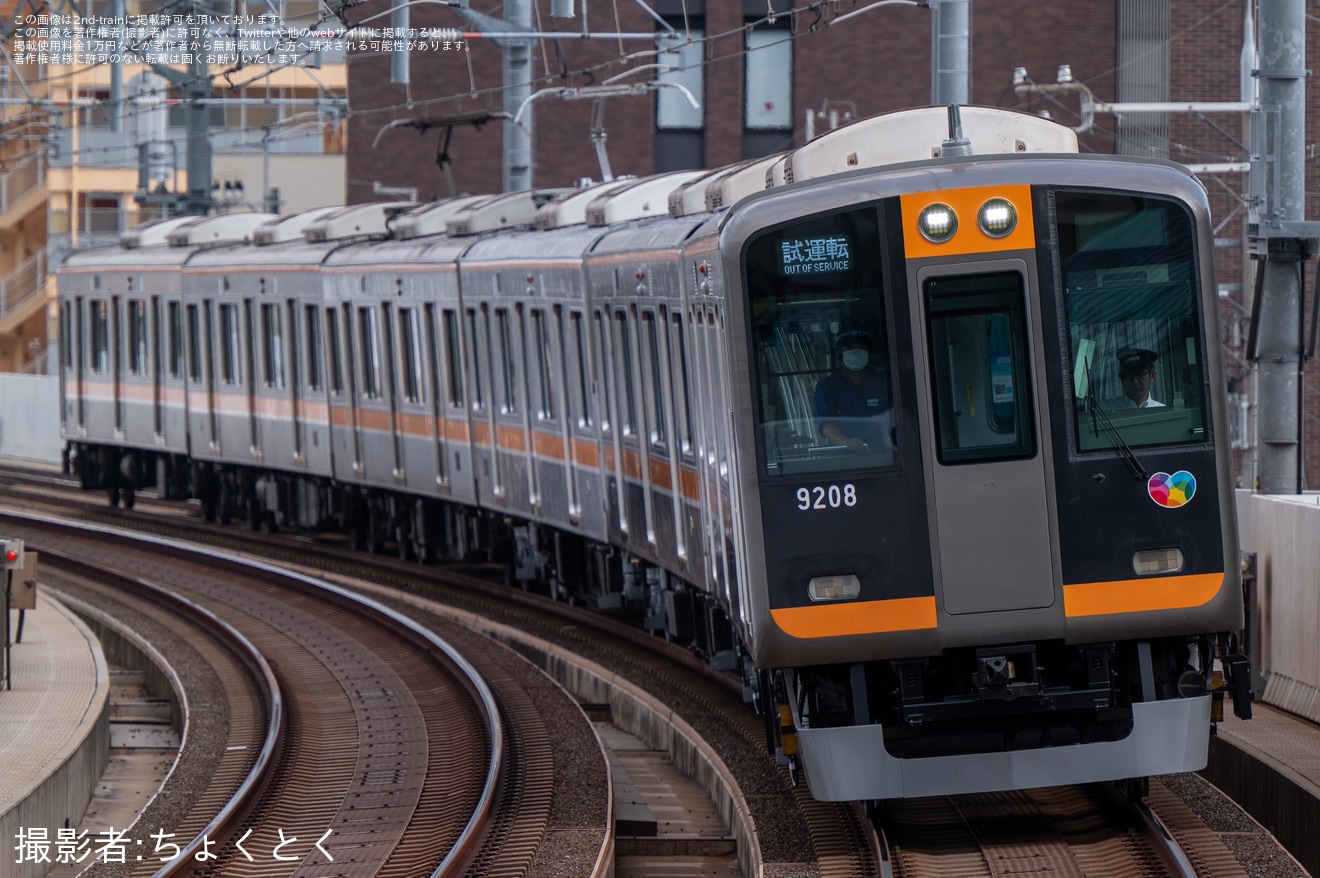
(758, 81)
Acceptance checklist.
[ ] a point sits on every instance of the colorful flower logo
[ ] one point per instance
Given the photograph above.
(1172, 491)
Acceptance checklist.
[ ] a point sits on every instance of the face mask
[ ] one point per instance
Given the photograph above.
(855, 359)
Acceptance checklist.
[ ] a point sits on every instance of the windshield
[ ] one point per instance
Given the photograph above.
(1130, 284)
(821, 346)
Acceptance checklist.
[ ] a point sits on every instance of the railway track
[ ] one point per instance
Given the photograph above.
(1049, 832)
(357, 732)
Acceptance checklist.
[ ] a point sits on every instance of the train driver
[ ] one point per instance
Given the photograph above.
(1136, 372)
(852, 404)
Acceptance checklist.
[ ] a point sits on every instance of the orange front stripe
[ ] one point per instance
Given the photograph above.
(849, 617)
(1140, 595)
(969, 238)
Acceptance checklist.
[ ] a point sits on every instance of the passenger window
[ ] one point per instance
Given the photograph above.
(454, 359)
(230, 351)
(411, 342)
(976, 332)
(821, 345)
(100, 337)
(334, 342)
(658, 436)
(504, 334)
(272, 346)
(369, 343)
(194, 345)
(137, 337)
(603, 366)
(1131, 288)
(629, 414)
(478, 398)
(175, 317)
(541, 351)
(584, 388)
(313, 347)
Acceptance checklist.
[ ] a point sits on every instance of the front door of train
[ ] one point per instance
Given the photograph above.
(987, 465)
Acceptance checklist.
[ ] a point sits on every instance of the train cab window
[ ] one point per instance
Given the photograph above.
(1128, 264)
(313, 347)
(230, 351)
(820, 345)
(976, 330)
(410, 340)
(137, 337)
(272, 346)
(194, 344)
(369, 342)
(175, 331)
(100, 337)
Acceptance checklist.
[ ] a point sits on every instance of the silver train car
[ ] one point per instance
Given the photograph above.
(919, 427)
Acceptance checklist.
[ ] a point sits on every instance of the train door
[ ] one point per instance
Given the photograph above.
(206, 351)
(521, 363)
(350, 372)
(434, 378)
(80, 362)
(989, 474)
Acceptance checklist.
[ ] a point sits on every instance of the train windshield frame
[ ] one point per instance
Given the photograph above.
(1129, 271)
(816, 301)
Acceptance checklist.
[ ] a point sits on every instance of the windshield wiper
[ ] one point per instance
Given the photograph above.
(1100, 420)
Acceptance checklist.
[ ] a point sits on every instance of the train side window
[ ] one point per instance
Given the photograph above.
(137, 337)
(603, 365)
(175, 317)
(657, 399)
(504, 336)
(627, 417)
(66, 333)
(194, 344)
(454, 359)
(541, 351)
(334, 349)
(313, 318)
(369, 342)
(683, 393)
(411, 342)
(583, 383)
(272, 346)
(230, 351)
(100, 337)
(821, 361)
(976, 327)
(1132, 288)
(474, 338)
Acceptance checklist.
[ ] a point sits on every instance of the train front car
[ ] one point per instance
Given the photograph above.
(987, 493)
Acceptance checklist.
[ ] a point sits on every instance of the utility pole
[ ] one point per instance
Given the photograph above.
(517, 88)
(950, 52)
(1285, 240)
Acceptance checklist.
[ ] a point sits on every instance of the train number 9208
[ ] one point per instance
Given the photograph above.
(827, 496)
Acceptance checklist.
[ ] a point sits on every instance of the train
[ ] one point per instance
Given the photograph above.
(919, 427)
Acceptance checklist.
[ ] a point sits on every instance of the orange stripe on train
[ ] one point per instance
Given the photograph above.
(1140, 595)
(853, 617)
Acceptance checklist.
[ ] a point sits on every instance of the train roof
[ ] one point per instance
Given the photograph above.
(637, 199)
(431, 219)
(570, 209)
(571, 242)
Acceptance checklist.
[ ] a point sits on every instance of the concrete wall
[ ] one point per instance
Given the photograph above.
(30, 417)
(1284, 532)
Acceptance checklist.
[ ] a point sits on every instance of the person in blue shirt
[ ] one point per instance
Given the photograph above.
(852, 405)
